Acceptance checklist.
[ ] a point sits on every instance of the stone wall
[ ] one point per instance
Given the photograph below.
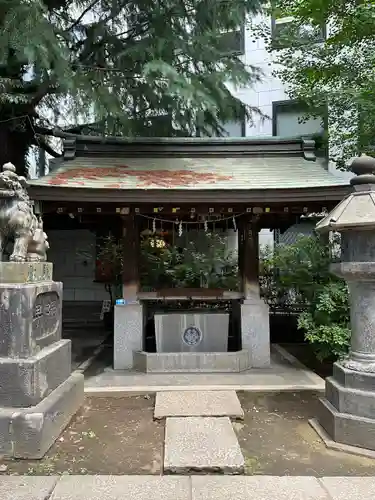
(73, 255)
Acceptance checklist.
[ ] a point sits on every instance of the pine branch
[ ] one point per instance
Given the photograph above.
(79, 18)
(40, 141)
(45, 88)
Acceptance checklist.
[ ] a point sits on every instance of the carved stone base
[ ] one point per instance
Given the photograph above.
(30, 432)
(38, 394)
(30, 317)
(359, 366)
(25, 382)
(348, 410)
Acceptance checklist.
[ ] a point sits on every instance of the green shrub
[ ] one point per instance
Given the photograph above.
(301, 273)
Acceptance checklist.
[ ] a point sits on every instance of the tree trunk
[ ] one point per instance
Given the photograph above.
(14, 146)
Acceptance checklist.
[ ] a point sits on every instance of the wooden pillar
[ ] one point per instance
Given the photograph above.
(248, 256)
(131, 249)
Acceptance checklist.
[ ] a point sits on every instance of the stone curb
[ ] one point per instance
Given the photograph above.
(295, 362)
(81, 368)
(332, 445)
(119, 391)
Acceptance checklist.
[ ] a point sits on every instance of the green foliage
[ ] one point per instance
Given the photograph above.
(326, 324)
(301, 273)
(129, 67)
(336, 71)
(111, 255)
(190, 267)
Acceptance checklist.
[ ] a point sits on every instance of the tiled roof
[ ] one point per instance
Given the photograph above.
(205, 173)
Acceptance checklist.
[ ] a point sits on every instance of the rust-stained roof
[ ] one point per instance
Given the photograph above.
(191, 173)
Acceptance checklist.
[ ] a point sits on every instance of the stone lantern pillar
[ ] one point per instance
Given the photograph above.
(348, 409)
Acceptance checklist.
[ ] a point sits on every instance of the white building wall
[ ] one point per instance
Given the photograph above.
(263, 93)
(268, 91)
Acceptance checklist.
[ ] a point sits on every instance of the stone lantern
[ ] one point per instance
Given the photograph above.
(348, 409)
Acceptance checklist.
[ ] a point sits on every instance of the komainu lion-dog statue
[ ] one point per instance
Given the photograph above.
(18, 221)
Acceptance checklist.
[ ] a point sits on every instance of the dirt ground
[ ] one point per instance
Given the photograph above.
(119, 436)
(276, 439)
(107, 436)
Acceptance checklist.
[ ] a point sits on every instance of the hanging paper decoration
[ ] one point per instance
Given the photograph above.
(98, 210)
(125, 211)
(205, 226)
(175, 210)
(248, 210)
(136, 210)
(60, 210)
(230, 210)
(180, 229)
(305, 210)
(80, 210)
(267, 210)
(234, 224)
(154, 226)
(211, 210)
(156, 210)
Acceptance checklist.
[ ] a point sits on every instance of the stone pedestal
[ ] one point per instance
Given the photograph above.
(128, 334)
(255, 331)
(348, 409)
(38, 393)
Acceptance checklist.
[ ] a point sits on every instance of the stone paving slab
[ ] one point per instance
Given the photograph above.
(258, 488)
(350, 488)
(198, 444)
(197, 404)
(26, 487)
(121, 488)
(185, 488)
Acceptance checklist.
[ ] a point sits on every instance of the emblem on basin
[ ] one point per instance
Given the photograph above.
(192, 336)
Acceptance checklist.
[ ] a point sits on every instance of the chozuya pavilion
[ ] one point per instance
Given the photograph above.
(173, 187)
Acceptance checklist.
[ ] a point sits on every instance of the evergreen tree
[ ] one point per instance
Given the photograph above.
(129, 67)
(335, 72)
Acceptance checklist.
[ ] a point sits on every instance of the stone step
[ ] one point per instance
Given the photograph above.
(356, 402)
(197, 404)
(192, 362)
(201, 445)
(347, 429)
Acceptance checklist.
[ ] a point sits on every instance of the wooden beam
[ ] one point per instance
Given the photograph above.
(248, 253)
(131, 247)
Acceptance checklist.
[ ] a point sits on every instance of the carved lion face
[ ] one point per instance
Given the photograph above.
(12, 186)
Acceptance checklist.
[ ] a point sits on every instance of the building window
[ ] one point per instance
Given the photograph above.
(235, 129)
(287, 120)
(233, 42)
(285, 32)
